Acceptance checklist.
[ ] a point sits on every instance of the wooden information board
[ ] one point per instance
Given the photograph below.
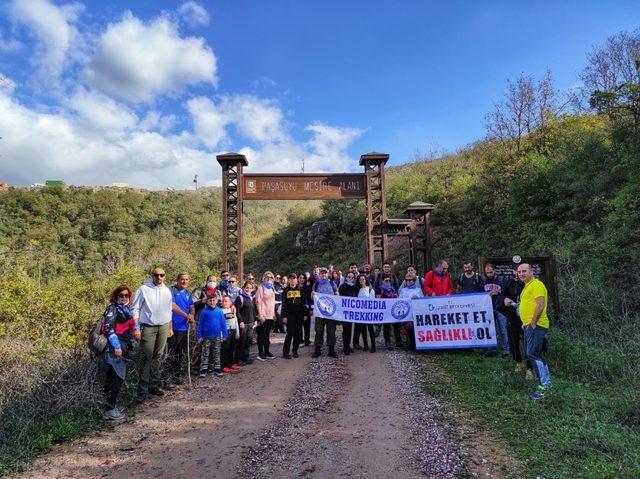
(318, 186)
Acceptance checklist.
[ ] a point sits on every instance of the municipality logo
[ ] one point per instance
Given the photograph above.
(431, 307)
(327, 306)
(400, 310)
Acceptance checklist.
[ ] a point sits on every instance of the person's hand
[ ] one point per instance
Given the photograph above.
(493, 293)
(117, 352)
(137, 335)
(190, 317)
(508, 302)
(433, 294)
(237, 335)
(170, 333)
(242, 326)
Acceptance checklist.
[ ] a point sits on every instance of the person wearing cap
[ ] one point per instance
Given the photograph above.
(324, 286)
(152, 307)
(410, 290)
(293, 309)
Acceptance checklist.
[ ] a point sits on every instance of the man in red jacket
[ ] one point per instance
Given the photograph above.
(437, 282)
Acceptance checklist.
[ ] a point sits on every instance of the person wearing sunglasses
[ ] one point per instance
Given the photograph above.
(120, 329)
(234, 288)
(266, 303)
(410, 289)
(152, 307)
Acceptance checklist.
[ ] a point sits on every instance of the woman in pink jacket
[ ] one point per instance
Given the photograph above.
(266, 304)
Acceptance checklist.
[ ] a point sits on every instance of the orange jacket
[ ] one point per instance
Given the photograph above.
(440, 285)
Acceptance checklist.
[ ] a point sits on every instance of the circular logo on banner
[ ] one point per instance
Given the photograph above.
(327, 306)
(401, 309)
(516, 259)
(431, 307)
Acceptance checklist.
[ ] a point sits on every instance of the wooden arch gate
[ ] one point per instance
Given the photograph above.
(370, 185)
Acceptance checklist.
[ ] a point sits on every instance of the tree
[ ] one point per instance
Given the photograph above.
(528, 106)
(611, 79)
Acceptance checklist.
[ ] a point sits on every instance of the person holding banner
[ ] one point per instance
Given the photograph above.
(365, 290)
(388, 291)
(493, 285)
(411, 290)
(325, 286)
(348, 288)
(533, 313)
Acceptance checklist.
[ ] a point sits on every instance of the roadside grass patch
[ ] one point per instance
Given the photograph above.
(588, 427)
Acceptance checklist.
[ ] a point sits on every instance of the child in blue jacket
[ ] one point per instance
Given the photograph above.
(212, 329)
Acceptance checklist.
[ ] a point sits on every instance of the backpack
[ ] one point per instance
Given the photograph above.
(97, 342)
(477, 281)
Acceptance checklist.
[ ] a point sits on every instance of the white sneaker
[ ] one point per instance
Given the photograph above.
(113, 415)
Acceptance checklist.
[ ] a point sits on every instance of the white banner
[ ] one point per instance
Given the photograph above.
(361, 310)
(453, 322)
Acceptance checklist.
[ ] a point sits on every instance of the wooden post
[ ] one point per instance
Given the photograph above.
(232, 209)
(373, 164)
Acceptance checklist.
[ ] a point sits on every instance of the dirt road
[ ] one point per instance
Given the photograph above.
(315, 418)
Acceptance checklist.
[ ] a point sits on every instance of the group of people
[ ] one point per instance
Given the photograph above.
(227, 317)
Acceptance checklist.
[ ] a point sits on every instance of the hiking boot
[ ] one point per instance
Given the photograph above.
(332, 353)
(287, 356)
(365, 349)
(113, 415)
(373, 349)
(540, 393)
(295, 354)
(217, 373)
(317, 353)
(269, 356)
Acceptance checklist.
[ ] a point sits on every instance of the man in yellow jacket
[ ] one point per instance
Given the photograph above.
(535, 322)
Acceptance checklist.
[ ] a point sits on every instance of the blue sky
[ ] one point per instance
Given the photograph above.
(147, 92)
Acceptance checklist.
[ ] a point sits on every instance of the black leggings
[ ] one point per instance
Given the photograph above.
(372, 335)
(386, 331)
(346, 335)
(263, 336)
(112, 385)
(514, 333)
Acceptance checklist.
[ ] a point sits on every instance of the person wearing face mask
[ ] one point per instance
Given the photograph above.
(200, 295)
(348, 288)
(121, 330)
(223, 286)
(266, 304)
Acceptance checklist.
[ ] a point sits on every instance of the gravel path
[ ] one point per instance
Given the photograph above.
(362, 416)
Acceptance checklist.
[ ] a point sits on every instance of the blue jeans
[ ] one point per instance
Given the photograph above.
(501, 322)
(534, 345)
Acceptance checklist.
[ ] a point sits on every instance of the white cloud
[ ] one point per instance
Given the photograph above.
(329, 145)
(53, 28)
(137, 61)
(37, 146)
(208, 120)
(257, 119)
(193, 14)
(101, 112)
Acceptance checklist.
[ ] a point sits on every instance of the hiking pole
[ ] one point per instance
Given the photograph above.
(189, 353)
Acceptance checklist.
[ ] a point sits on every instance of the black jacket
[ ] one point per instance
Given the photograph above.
(293, 303)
